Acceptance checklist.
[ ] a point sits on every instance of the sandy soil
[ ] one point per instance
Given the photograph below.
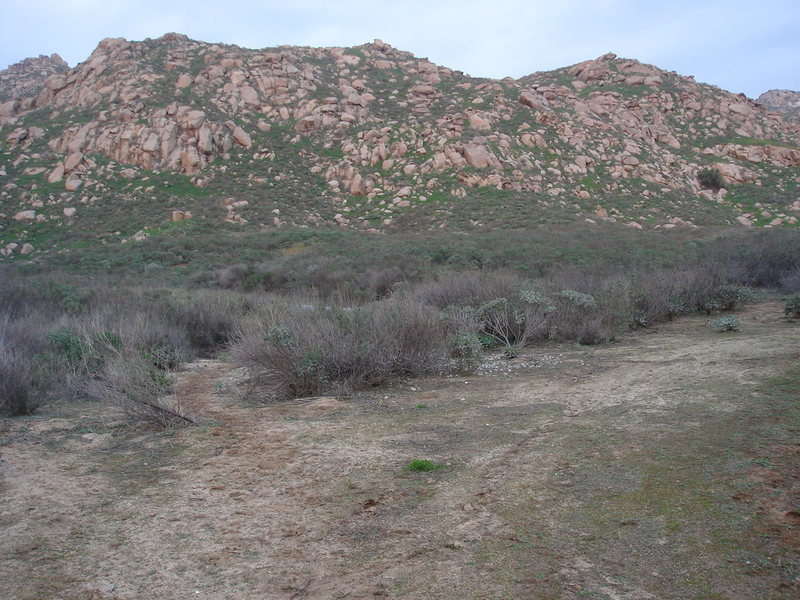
(666, 466)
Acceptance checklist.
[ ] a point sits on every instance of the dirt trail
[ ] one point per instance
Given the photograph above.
(663, 467)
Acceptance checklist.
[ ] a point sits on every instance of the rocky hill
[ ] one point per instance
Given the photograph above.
(784, 102)
(22, 82)
(372, 138)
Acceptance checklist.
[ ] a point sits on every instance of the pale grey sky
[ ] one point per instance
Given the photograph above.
(742, 46)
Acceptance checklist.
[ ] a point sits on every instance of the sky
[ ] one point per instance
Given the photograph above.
(741, 46)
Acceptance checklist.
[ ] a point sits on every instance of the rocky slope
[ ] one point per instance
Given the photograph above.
(22, 82)
(784, 102)
(373, 138)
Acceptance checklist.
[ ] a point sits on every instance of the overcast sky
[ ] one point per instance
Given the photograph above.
(741, 46)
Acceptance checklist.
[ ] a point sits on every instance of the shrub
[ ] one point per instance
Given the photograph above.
(466, 288)
(72, 358)
(761, 258)
(665, 294)
(229, 277)
(515, 321)
(75, 353)
(710, 179)
(576, 316)
(72, 299)
(596, 317)
(499, 321)
(487, 341)
(578, 299)
(793, 305)
(677, 305)
(148, 323)
(303, 349)
(26, 379)
(727, 323)
(259, 281)
(731, 296)
(140, 389)
(466, 348)
(790, 281)
(164, 355)
(380, 284)
(20, 383)
(207, 318)
(510, 352)
(536, 297)
(502, 309)
(63, 334)
(107, 340)
(461, 318)
(580, 296)
(726, 298)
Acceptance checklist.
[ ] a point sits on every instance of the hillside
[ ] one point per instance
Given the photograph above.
(144, 135)
(22, 82)
(784, 102)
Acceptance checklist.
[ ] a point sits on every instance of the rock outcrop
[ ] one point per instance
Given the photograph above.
(784, 102)
(23, 81)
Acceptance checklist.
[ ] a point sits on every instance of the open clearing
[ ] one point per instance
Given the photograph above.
(666, 466)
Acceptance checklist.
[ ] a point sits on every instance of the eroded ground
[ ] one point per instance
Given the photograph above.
(666, 466)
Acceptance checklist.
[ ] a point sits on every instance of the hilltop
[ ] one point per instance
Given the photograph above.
(371, 138)
(22, 82)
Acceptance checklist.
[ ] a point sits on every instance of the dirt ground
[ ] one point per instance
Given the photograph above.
(666, 466)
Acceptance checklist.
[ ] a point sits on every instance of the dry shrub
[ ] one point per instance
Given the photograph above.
(790, 281)
(26, 381)
(655, 298)
(52, 349)
(502, 307)
(58, 333)
(306, 349)
(666, 293)
(21, 384)
(762, 258)
(467, 288)
(512, 311)
(576, 316)
(142, 391)
(231, 276)
(382, 282)
(207, 318)
(141, 323)
(515, 320)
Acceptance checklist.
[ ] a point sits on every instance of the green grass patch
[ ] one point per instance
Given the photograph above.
(422, 465)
